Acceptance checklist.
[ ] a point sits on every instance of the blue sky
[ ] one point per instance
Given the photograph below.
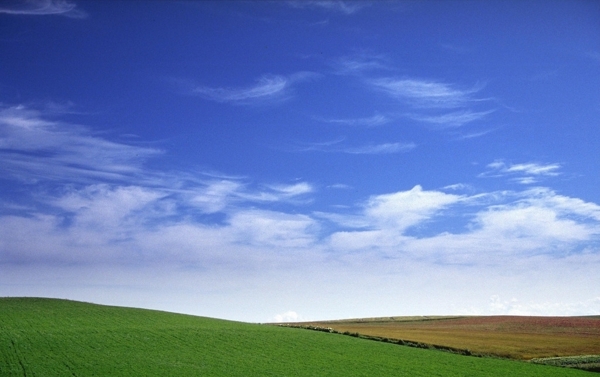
(302, 160)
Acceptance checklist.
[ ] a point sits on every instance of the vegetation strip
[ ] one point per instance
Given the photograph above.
(586, 362)
(401, 342)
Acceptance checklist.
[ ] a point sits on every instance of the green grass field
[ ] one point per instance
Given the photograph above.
(46, 337)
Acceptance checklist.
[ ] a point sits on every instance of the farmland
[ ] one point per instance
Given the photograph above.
(47, 337)
(506, 336)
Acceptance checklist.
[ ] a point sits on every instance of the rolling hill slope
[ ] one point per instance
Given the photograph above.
(48, 337)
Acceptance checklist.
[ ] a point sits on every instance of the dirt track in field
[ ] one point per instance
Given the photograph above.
(507, 336)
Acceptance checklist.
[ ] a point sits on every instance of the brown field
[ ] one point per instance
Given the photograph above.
(506, 336)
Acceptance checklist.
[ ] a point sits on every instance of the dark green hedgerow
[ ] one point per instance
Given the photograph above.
(586, 362)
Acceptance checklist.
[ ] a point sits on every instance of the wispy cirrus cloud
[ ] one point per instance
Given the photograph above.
(525, 173)
(424, 93)
(33, 147)
(42, 8)
(454, 119)
(36, 149)
(337, 146)
(375, 120)
(435, 103)
(360, 63)
(268, 88)
(384, 148)
(343, 7)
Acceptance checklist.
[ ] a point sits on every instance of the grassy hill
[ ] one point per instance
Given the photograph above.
(47, 337)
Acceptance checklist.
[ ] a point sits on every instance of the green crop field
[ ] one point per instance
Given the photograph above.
(46, 337)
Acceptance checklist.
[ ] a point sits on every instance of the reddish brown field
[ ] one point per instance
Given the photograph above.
(506, 336)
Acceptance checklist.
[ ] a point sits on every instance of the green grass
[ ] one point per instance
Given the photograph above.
(46, 337)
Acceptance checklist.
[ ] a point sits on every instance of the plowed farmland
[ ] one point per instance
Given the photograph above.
(506, 336)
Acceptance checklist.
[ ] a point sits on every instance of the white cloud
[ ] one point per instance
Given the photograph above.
(152, 227)
(526, 168)
(276, 257)
(344, 220)
(273, 229)
(518, 225)
(375, 120)
(221, 195)
(525, 173)
(537, 222)
(101, 206)
(385, 148)
(289, 316)
(268, 88)
(535, 169)
(530, 222)
(359, 63)
(563, 205)
(498, 306)
(36, 148)
(459, 186)
(216, 196)
(336, 146)
(42, 8)
(293, 190)
(404, 209)
(430, 101)
(423, 93)
(344, 7)
(386, 218)
(454, 119)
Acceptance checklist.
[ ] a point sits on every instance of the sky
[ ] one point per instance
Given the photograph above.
(302, 160)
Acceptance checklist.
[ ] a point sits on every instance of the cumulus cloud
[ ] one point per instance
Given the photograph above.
(386, 218)
(289, 316)
(407, 208)
(519, 224)
(523, 224)
(42, 8)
